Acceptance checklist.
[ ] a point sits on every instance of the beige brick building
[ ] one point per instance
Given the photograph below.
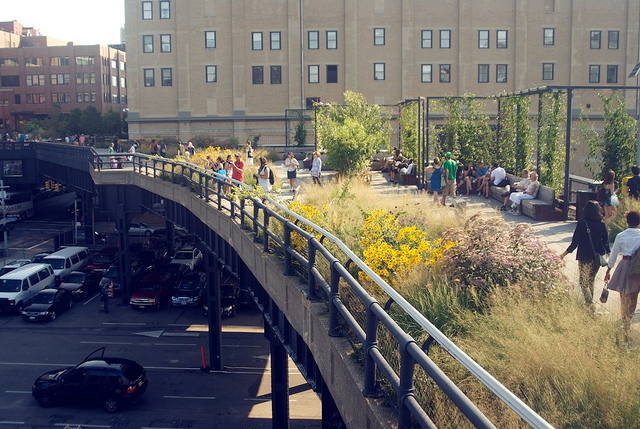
(230, 68)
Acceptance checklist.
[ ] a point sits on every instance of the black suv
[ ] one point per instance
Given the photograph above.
(112, 382)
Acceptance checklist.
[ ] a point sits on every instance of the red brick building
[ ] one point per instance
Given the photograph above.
(40, 71)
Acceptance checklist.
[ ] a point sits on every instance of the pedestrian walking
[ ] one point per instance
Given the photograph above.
(316, 168)
(105, 297)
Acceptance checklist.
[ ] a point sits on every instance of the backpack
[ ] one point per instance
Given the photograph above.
(272, 177)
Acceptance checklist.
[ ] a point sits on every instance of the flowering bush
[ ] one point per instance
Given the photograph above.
(393, 251)
(487, 252)
(311, 213)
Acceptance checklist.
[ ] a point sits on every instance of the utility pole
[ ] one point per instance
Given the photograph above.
(3, 196)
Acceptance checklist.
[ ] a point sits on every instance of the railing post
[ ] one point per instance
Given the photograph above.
(242, 214)
(173, 173)
(311, 264)
(334, 331)
(287, 245)
(256, 212)
(219, 193)
(406, 385)
(265, 239)
(206, 187)
(371, 342)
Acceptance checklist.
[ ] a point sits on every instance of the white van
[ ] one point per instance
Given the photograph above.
(73, 258)
(18, 287)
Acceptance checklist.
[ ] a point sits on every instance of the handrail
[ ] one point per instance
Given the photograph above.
(506, 396)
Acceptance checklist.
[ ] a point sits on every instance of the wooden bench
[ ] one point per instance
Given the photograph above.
(406, 179)
(540, 208)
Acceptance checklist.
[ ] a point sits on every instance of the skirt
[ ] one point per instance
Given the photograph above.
(621, 282)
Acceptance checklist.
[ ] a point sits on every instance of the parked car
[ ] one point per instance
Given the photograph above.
(159, 237)
(81, 284)
(47, 305)
(13, 265)
(111, 381)
(103, 259)
(111, 277)
(37, 259)
(153, 291)
(229, 295)
(190, 291)
(140, 229)
(189, 256)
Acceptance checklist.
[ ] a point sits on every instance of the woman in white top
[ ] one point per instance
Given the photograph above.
(625, 244)
(249, 150)
(263, 175)
(291, 165)
(316, 168)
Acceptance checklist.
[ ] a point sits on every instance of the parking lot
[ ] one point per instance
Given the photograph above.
(168, 342)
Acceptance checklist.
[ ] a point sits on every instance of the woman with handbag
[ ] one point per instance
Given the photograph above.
(592, 240)
(625, 244)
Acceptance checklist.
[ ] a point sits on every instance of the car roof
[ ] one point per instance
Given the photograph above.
(48, 291)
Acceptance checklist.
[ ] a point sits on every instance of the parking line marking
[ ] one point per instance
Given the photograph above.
(6, 422)
(180, 334)
(81, 425)
(91, 299)
(17, 391)
(241, 346)
(176, 344)
(124, 323)
(209, 398)
(106, 342)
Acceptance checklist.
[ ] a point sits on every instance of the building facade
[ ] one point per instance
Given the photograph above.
(230, 68)
(41, 71)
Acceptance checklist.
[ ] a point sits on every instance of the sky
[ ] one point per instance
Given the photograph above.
(85, 22)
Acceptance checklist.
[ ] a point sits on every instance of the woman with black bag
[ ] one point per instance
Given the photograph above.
(592, 240)
(626, 244)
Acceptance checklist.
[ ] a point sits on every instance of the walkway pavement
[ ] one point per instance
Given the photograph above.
(557, 234)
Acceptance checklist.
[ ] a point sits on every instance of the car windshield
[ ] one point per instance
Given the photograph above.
(10, 285)
(149, 286)
(183, 255)
(56, 263)
(5, 270)
(74, 278)
(188, 285)
(102, 259)
(38, 258)
(43, 298)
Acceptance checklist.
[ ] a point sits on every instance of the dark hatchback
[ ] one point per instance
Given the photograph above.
(190, 291)
(47, 305)
(81, 284)
(112, 382)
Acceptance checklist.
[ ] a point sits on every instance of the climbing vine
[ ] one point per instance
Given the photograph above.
(551, 139)
(409, 130)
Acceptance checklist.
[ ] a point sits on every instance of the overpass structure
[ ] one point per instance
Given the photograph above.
(368, 372)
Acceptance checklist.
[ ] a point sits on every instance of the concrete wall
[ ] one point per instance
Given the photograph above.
(343, 376)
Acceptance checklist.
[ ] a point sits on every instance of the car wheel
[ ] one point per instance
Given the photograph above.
(53, 315)
(45, 400)
(20, 307)
(111, 405)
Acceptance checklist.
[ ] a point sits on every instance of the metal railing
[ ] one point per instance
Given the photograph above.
(261, 212)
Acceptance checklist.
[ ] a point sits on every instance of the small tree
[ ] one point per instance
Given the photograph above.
(352, 133)
(550, 139)
(111, 123)
(301, 132)
(409, 129)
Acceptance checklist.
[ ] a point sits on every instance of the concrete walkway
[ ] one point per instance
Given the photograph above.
(557, 234)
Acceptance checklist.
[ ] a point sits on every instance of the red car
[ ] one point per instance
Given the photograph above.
(103, 259)
(153, 291)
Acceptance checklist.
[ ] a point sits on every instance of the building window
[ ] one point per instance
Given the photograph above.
(594, 74)
(427, 39)
(60, 79)
(549, 37)
(256, 40)
(114, 81)
(483, 39)
(12, 80)
(34, 62)
(378, 36)
(147, 10)
(501, 73)
(85, 60)
(165, 10)
(114, 64)
(93, 97)
(378, 71)
(211, 74)
(483, 73)
(123, 82)
(445, 73)
(147, 44)
(167, 77)
(35, 99)
(426, 73)
(332, 39)
(17, 99)
(165, 43)
(9, 62)
(59, 61)
(332, 74)
(64, 97)
(314, 74)
(445, 39)
(276, 75)
(37, 79)
(594, 39)
(123, 66)
(614, 37)
(501, 39)
(149, 77)
(612, 74)
(209, 39)
(547, 71)
(313, 39)
(257, 75)
(276, 42)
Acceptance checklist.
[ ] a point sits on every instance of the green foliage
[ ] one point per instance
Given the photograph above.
(74, 123)
(301, 132)
(409, 129)
(255, 139)
(33, 128)
(467, 134)
(524, 155)
(551, 139)
(615, 148)
(56, 123)
(111, 123)
(352, 133)
(515, 140)
(91, 122)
